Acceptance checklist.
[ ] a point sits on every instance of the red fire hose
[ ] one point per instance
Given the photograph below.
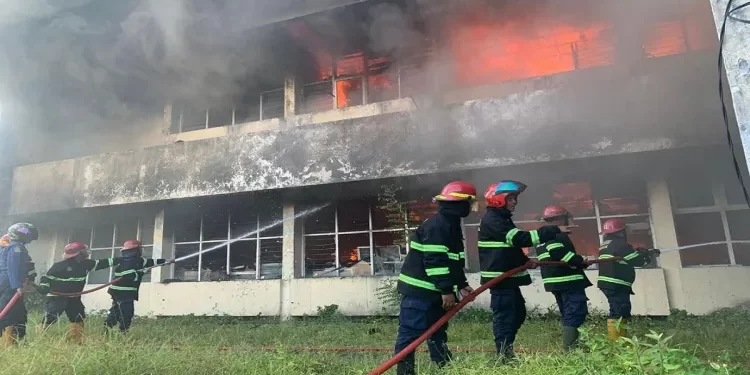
(17, 296)
(10, 304)
(413, 346)
(100, 287)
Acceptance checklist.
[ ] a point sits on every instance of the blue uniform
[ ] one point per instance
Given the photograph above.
(433, 267)
(15, 268)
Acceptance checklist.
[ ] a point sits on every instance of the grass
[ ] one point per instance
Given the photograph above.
(226, 345)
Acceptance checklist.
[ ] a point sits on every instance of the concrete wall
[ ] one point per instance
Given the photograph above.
(582, 119)
(247, 298)
(708, 289)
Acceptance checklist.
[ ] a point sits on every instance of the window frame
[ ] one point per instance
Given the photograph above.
(228, 241)
(720, 206)
(370, 232)
(207, 113)
(115, 246)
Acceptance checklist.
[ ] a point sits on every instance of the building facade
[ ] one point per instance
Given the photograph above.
(302, 191)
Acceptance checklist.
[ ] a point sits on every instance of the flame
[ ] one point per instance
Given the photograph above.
(520, 43)
(353, 255)
(490, 49)
(343, 89)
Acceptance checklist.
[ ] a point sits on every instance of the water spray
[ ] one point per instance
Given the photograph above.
(218, 246)
(244, 236)
(678, 248)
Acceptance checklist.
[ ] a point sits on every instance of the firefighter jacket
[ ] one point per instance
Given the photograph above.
(435, 263)
(15, 266)
(558, 278)
(130, 270)
(69, 275)
(619, 275)
(500, 247)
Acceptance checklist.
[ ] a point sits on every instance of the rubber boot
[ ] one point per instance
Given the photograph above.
(75, 332)
(9, 337)
(405, 368)
(613, 331)
(506, 356)
(570, 338)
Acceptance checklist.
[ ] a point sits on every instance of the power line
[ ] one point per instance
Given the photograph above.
(729, 14)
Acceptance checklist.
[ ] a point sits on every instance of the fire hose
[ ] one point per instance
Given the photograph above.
(448, 315)
(10, 304)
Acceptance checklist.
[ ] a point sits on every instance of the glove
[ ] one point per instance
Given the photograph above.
(532, 264)
(43, 290)
(655, 252)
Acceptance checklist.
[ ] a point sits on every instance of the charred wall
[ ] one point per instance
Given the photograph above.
(609, 114)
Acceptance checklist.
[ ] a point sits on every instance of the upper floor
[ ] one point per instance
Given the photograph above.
(474, 86)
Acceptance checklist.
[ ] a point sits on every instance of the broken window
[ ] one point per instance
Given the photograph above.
(234, 243)
(191, 118)
(272, 104)
(354, 238)
(106, 240)
(253, 107)
(220, 117)
(357, 80)
(248, 110)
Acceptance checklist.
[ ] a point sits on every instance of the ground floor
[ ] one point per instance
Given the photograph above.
(289, 252)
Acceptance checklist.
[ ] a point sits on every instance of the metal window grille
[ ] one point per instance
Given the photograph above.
(267, 105)
(722, 207)
(266, 247)
(370, 232)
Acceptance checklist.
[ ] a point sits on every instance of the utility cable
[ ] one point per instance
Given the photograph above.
(729, 14)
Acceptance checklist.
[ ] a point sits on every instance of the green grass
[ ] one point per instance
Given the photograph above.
(225, 345)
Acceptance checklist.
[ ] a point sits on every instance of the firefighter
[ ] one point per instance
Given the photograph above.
(16, 268)
(432, 273)
(500, 250)
(69, 276)
(567, 283)
(125, 291)
(616, 278)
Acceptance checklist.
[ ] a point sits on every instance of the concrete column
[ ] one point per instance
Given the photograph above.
(167, 124)
(665, 236)
(162, 247)
(737, 65)
(290, 96)
(53, 249)
(287, 260)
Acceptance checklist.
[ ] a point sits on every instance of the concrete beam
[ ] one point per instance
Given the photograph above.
(590, 117)
(736, 52)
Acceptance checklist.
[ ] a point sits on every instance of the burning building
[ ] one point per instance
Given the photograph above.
(604, 107)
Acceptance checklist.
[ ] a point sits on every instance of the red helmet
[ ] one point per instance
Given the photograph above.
(554, 211)
(131, 245)
(497, 193)
(613, 226)
(457, 191)
(73, 249)
(492, 200)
